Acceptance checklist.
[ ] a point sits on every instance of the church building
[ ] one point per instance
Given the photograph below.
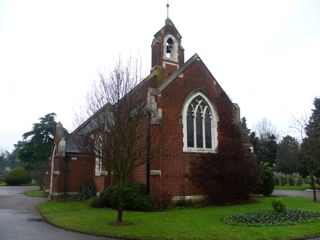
(186, 114)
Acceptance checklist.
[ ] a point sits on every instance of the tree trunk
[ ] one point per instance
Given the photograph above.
(120, 207)
(313, 185)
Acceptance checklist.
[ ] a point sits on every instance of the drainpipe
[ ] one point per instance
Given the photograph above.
(66, 173)
(148, 153)
(51, 174)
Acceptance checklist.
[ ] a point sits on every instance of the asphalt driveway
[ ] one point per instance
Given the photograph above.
(19, 219)
(295, 193)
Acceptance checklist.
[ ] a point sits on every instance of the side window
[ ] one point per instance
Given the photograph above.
(199, 124)
(98, 156)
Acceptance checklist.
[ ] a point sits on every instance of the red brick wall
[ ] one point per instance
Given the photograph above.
(101, 182)
(167, 138)
(81, 170)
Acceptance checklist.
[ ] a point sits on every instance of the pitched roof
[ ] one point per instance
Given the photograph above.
(76, 144)
(168, 22)
(88, 126)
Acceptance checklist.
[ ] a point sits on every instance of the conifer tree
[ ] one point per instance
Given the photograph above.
(311, 145)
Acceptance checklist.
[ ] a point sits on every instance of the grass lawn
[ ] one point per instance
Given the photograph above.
(34, 193)
(201, 223)
(2, 184)
(33, 182)
(287, 187)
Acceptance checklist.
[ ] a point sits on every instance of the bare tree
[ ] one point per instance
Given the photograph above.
(117, 123)
(265, 129)
(265, 143)
(299, 124)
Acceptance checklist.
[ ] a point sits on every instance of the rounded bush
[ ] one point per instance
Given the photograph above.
(291, 180)
(267, 183)
(87, 190)
(278, 206)
(299, 181)
(17, 176)
(134, 197)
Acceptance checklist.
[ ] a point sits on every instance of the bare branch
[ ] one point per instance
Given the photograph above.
(265, 129)
(299, 123)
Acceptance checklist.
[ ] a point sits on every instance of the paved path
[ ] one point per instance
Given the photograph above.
(295, 193)
(19, 219)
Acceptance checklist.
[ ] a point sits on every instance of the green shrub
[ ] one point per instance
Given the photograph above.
(278, 206)
(267, 183)
(87, 191)
(277, 181)
(280, 178)
(134, 197)
(291, 180)
(300, 181)
(283, 180)
(97, 202)
(17, 176)
(161, 200)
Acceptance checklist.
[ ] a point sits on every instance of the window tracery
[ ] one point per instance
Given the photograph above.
(199, 124)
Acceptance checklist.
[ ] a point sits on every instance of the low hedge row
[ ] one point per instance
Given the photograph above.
(17, 176)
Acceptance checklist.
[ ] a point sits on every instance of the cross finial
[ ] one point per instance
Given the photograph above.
(168, 9)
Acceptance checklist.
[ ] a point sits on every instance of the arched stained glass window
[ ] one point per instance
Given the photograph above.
(199, 124)
(190, 127)
(207, 123)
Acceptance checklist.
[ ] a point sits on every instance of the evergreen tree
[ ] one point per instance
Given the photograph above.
(3, 165)
(245, 131)
(265, 148)
(311, 145)
(268, 149)
(264, 142)
(288, 155)
(36, 148)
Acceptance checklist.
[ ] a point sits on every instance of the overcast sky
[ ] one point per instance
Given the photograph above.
(264, 54)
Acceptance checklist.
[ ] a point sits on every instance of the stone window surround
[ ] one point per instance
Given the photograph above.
(214, 125)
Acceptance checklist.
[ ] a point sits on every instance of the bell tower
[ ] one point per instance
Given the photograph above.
(167, 51)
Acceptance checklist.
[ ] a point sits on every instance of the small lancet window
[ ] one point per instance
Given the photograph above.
(98, 156)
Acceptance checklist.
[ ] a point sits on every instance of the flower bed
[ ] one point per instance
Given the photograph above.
(263, 218)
